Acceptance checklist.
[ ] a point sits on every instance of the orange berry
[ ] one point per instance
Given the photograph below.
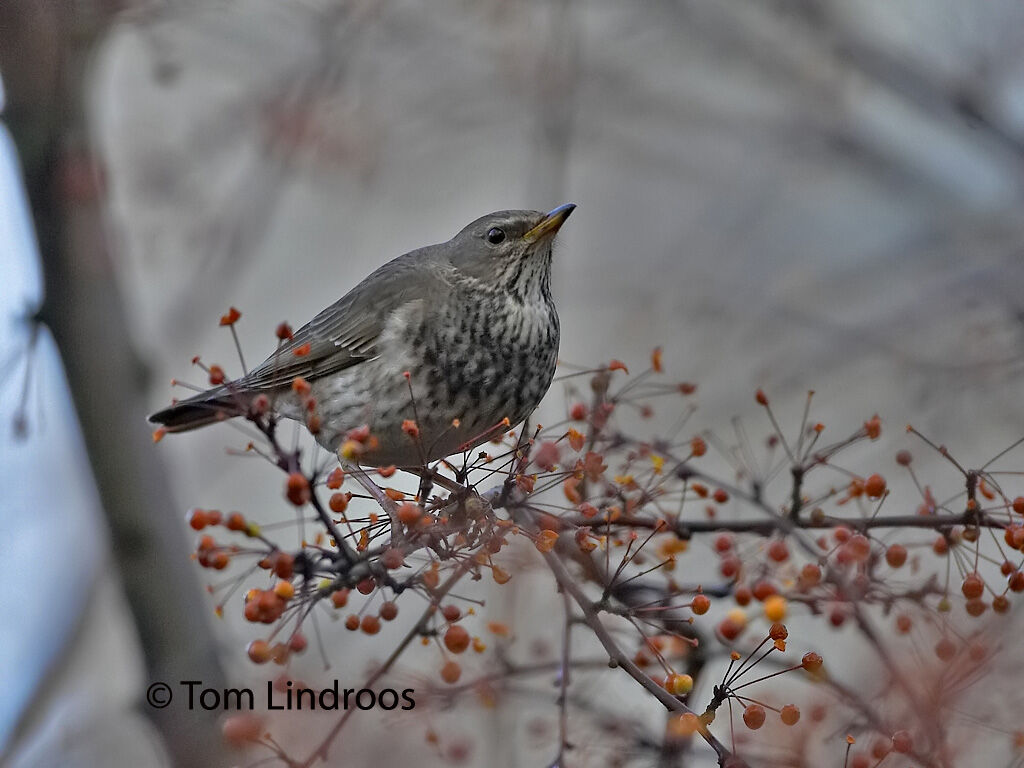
(775, 608)
(370, 624)
(335, 479)
(456, 639)
(753, 716)
(896, 555)
(259, 651)
(810, 574)
(678, 685)
(761, 397)
(1018, 505)
(297, 489)
(742, 595)
(284, 565)
(352, 622)
(975, 607)
(284, 590)
(197, 519)
(409, 513)
(338, 502)
(811, 661)
(790, 714)
(451, 672)
(339, 598)
(700, 604)
(874, 486)
(236, 522)
(388, 611)
(298, 643)
(451, 612)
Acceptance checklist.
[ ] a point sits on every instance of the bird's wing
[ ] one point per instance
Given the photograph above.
(347, 332)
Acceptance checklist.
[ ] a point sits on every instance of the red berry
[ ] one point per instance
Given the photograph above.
(874, 486)
(973, 587)
(778, 551)
(753, 716)
(945, 649)
(896, 555)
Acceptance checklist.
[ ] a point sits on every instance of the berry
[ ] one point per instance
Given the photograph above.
(679, 685)
(973, 587)
(778, 551)
(753, 716)
(451, 672)
(874, 486)
(700, 605)
(896, 555)
(456, 639)
(901, 742)
(811, 661)
(790, 714)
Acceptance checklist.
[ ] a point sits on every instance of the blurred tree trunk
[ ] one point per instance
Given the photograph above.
(44, 55)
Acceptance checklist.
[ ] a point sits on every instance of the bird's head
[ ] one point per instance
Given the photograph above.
(510, 250)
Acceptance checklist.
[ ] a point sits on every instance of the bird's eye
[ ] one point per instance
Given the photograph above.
(495, 235)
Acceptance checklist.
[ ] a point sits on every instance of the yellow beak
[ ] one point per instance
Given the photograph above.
(551, 223)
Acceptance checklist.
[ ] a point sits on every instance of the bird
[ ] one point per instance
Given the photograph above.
(432, 354)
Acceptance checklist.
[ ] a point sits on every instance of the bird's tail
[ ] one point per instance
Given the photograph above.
(205, 408)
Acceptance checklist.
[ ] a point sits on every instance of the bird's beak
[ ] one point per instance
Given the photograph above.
(550, 223)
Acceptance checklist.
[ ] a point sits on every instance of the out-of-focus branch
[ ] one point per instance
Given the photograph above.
(53, 43)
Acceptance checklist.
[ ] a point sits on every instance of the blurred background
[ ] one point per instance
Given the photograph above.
(789, 194)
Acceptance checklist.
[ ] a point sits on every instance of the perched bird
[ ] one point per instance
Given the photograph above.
(471, 321)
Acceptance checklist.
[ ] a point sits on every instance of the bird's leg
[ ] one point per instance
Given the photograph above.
(426, 484)
(429, 476)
